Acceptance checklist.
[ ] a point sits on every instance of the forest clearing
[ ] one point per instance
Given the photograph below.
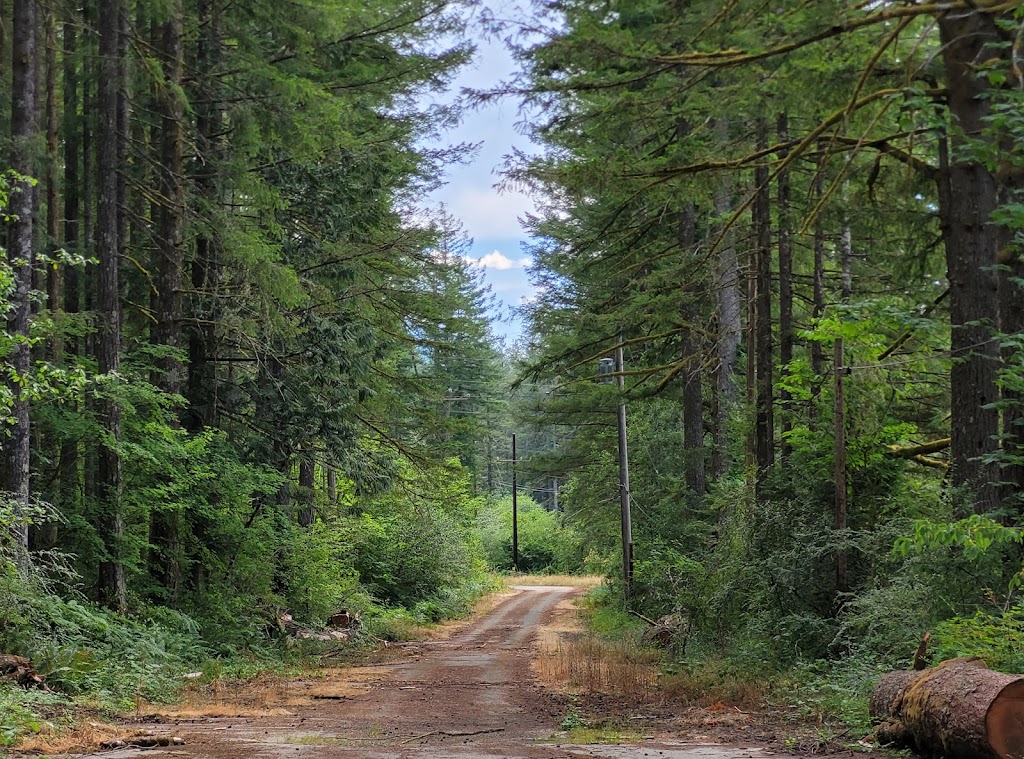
(730, 315)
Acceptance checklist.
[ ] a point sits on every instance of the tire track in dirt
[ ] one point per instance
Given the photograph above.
(471, 696)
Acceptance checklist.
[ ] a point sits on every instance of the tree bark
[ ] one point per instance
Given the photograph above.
(53, 273)
(785, 293)
(967, 198)
(108, 345)
(840, 522)
(764, 425)
(959, 708)
(205, 265)
(307, 481)
(170, 209)
(72, 279)
(332, 486)
(839, 430)
(693, 393)
(90, 92)
(729, 332)
(20, 248)
(167, 211)
(818, 298)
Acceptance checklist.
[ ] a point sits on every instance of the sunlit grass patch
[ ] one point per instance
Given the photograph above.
(572, 581)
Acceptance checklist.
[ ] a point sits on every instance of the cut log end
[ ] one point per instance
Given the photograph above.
(1005, 722)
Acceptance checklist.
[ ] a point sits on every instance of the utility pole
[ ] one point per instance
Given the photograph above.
(515, 510)
(627, 520)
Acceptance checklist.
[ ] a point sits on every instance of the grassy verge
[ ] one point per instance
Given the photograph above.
(597, 653)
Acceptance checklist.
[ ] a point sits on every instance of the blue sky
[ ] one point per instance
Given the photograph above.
(470, 195)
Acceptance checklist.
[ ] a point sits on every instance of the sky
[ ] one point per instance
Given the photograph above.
(490, 217)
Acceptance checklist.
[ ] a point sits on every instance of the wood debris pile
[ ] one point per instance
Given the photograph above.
(341, 627)
(18, 670)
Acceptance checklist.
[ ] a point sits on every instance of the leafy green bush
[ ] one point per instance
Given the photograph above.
(995, 637)
(546, 543)
(412, 545)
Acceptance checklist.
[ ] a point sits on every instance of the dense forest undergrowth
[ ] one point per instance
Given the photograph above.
(246, 374)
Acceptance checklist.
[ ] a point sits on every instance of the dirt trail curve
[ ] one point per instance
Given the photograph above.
(469, 696)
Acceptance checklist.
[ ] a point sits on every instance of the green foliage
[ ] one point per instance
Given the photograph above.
(412, 545)
(546, 543)
(25, 712)
(82, 649)
(606, 617)
(823, 692)
(996, 637)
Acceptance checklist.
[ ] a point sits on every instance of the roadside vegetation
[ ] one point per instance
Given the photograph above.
(250, 384)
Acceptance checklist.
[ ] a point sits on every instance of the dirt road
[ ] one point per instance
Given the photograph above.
(469, 696)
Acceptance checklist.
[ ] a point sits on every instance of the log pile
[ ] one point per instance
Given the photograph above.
(958, 710)
(342, 626)
(18, 670)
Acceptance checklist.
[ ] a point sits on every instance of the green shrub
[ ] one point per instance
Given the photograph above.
(546, 544)
(995, 637)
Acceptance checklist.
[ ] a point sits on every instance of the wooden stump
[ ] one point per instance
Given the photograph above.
(959, 710)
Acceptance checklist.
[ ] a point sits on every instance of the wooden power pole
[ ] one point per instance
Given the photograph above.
(515, 510)
(624, 492)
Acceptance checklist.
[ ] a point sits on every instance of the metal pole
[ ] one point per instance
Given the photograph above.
(515, 510)
(627, 521)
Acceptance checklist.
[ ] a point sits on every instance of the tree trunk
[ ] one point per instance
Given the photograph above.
(53, 273)
(967, 198)
(170, 209)
(818, 299)
(958, 709)
(764, 425)
(72, 290)
(307, 481)
(332, 486)
(20, 249)
(840, 523)
(785, 293)
(205, 265)
(693, 397)
(89, 191)
(839, 430)
(168, 216)
(108, 345)
(729, 331)
(1011, 324)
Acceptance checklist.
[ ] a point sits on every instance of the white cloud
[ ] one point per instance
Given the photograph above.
(489, 214)
(498, 260)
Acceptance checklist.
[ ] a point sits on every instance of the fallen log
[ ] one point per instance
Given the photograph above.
(959, 710)
(143, 741)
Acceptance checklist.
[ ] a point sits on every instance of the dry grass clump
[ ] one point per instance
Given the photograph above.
(84, 737)
(267, 696)
(571, 659)
(585, 663)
